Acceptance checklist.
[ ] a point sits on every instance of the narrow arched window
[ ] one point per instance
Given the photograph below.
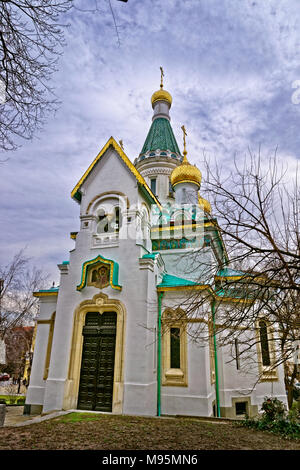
(175, 348)
(103, 222)
(117, 219)
(264, 344)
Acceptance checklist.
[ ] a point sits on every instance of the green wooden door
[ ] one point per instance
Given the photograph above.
(98, 359)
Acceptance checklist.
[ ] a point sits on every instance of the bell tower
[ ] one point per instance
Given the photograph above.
(160, 154)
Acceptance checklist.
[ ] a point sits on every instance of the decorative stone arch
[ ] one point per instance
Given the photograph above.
(100, 303)
(107, 195)
(108, 210)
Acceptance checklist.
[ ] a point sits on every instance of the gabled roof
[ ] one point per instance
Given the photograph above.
(76, 193)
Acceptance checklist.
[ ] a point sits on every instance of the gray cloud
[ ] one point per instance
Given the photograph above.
(228, 65)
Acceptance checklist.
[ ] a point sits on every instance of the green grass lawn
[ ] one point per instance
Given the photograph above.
(13, 399)
(89, 431)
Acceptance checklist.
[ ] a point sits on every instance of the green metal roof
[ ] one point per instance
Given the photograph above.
(160, 136)
(239, 293)
(228, 272)
(172, 281)
(52, 289)
(150, 255)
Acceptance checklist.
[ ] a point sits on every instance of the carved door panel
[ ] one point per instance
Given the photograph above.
(98, 358)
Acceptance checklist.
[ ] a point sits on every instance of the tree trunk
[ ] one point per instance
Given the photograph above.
(290, 396)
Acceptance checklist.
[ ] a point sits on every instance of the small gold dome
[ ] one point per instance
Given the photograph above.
(161, 95)
(204, 204)
(186, 173)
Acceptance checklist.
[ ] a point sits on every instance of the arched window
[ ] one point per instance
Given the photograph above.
(144, 227)
(179, 217)
(103, 222)
(109, 222)
(118, 219)
(174, 347)
(264, 344)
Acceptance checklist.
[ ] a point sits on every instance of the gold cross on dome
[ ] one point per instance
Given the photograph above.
(161, 77)
(184, 135)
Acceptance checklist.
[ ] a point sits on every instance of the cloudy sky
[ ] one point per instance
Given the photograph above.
(230, 67)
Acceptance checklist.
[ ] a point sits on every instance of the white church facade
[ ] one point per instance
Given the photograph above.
(118, 334)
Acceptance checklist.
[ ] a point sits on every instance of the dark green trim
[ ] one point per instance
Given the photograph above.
(160, 296)
(77, 196)
(147, 195)
(216, 359)
(54, 289)
(114, 273)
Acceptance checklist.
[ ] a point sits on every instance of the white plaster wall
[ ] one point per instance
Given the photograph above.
(138, 294)
(186, 193)
(193, 266)
(36, 389)
(195, 399)
(243, 382)
(109, 174)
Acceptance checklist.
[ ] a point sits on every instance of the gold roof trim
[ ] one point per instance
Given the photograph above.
(112, 143)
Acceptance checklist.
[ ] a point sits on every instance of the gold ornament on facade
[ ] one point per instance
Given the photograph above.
(186, 173)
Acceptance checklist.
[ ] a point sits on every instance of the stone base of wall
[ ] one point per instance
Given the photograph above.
(231, 411)
(2, 414)
(33, 409)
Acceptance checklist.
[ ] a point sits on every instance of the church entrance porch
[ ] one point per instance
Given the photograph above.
(97, 365)
(96, 356)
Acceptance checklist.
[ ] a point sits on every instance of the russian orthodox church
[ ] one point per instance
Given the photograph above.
(121, 332)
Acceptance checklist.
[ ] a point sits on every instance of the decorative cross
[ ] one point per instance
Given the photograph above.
(184, 134)
(161, 77)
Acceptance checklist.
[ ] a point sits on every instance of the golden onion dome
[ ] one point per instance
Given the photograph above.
(204, 204)
(186, 173)
(161, 95)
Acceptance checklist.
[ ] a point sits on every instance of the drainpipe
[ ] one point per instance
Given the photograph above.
(160, 296)
(216, 359)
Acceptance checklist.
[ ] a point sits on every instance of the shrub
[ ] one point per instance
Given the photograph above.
(273, 409)
(275, 419)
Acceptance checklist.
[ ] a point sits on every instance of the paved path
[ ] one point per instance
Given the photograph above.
(14, 416)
